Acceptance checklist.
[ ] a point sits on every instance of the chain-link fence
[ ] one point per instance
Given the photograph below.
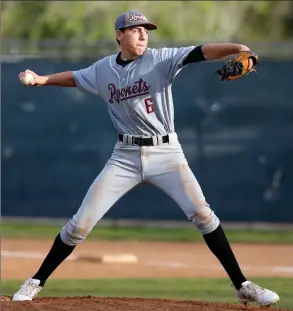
(11, 48)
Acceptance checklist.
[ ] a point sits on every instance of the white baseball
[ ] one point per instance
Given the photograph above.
(27, 79)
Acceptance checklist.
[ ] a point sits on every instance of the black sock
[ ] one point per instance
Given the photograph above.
(57, 254)
(219, 245)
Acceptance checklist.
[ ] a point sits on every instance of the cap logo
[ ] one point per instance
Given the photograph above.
(136, 17)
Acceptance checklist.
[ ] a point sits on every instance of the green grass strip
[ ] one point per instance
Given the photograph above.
(205, 289)
(21, 230)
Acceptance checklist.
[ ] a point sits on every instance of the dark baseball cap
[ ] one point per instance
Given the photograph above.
(133, 18)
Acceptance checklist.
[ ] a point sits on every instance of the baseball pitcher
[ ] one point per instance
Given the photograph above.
(135, 84)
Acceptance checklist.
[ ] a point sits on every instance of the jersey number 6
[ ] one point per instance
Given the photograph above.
(149, 105)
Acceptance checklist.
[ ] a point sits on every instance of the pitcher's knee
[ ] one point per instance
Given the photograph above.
(205, 220)
(72, 235)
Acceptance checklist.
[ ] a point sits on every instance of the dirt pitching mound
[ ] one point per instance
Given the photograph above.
(120, 304)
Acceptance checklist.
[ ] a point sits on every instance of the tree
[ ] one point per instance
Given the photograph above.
(179, 20)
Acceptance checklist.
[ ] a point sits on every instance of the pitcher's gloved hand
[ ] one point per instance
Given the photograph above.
(242, 64)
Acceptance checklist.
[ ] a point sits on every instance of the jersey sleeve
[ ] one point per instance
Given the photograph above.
(87, 79)
(172, 59)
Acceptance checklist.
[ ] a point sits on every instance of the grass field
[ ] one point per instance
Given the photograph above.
(31, 230)
(217, 290)
(204, 289)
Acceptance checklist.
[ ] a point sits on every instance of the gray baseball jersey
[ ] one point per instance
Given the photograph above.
(138, 96)
(139, 99)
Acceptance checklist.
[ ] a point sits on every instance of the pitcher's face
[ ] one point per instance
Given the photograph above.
(134, 40)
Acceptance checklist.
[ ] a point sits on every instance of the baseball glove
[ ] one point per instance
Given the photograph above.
(238, 66)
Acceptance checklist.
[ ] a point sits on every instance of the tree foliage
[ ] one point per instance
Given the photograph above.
(178, 20)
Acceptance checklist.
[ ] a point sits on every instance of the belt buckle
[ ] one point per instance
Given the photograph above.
(137, 141)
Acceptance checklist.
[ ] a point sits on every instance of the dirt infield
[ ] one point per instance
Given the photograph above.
(21, 258)
(119, 304)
